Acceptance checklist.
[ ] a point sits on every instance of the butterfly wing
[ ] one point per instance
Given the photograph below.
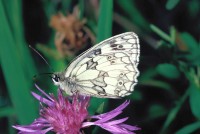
(108, 69)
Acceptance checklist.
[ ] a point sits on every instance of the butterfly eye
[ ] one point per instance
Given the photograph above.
(56, 78)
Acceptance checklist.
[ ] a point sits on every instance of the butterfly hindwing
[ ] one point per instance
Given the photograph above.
(108, 69)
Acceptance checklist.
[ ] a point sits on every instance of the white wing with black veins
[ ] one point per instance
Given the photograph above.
(109, 69)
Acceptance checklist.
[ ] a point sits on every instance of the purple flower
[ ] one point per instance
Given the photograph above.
(67, 115)
(106, 121)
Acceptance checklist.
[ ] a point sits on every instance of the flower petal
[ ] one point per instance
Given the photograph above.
(115, 129)
(49, 97)
(129, 127)
(115, 122)
(42, 99)
(25, 129)
(119, 108)
(107, 117)
(106, 121)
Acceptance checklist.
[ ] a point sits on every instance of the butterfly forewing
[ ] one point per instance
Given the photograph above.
(109, 69)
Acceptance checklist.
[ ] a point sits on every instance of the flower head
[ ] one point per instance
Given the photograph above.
(69, 114)
(59, 115)
(71, 32)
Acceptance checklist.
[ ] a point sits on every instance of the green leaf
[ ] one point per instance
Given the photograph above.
(193, 8)
(173, 34)
(15, 19)
(7, 111)
(189, 41)
(100, 109)
(188, 129)
(105, 20)
(168, 70)
(194, 99)
(194, 48)
(135, 15)
(171, 4)
(161, 33)
(18, 78)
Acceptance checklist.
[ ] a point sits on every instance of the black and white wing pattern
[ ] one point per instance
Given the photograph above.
(109, 69)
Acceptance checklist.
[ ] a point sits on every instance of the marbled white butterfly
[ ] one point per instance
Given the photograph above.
(107, 70)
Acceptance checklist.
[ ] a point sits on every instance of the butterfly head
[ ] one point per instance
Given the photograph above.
(64, 83)
(57, 78)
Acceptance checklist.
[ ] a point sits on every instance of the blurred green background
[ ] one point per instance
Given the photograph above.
(167, 97)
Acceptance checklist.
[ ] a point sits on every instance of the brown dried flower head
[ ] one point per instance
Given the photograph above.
(71, 34)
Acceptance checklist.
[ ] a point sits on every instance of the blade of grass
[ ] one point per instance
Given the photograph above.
(11, 121)
(81, 7)
(105, 20)
(17, 83)
(66, 5)
(136, 17)
(6, 111)
(188, 129)
(172, 114)
(15, 20)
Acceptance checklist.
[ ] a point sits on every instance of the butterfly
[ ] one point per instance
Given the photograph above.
(106, 70)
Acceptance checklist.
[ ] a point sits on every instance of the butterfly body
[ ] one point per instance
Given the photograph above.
(107, 70)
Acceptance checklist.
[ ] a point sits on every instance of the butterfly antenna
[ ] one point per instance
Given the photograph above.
(42, 58)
